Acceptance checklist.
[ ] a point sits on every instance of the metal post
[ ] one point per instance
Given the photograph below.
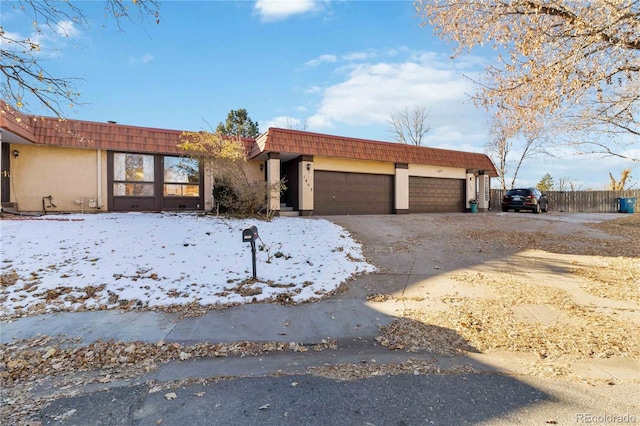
(253, 256)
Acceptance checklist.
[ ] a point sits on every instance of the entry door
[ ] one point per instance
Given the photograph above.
(6, 176)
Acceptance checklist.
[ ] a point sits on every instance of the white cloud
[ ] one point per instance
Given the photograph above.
(320, 60)
(361, 55)
(8, 37)
(283, 122)
(313, 89)
(50, 40)
(66, 29)
(275, 10)
(144, 59)
(371, 92)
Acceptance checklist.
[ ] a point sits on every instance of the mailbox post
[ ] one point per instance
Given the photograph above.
(250, 235)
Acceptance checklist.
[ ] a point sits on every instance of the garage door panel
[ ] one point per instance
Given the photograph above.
(435, 195)
(352, 193)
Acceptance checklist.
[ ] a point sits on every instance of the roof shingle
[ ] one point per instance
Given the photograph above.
(306, 143)
(94, 135)
(111, 136)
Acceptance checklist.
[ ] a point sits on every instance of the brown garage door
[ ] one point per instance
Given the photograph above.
(352, 193)
(434, 195)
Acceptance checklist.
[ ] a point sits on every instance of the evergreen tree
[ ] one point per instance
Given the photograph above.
(238, 124)
(546, 183)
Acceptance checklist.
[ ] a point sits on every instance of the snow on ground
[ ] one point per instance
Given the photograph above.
(129, 260)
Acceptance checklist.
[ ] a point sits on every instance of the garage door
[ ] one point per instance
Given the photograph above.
(434, 195)
(352, 193)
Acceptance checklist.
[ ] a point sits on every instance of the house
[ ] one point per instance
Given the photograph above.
(55, 165)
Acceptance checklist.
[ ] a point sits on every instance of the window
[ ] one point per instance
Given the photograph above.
(181, 177)
(133, 175)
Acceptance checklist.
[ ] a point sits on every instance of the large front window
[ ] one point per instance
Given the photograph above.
(181, 177)
(133, 175)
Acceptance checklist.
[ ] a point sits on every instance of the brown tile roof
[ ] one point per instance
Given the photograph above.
(85, 134)
(305, 143)
(15, 122)
(88, 134)
(117, 137)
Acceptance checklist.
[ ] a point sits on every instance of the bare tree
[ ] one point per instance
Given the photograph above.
(296, 124)
(499, 148)
(410, 127)
(566, 184)
(572, 63)
(506, 150)
(23, 77)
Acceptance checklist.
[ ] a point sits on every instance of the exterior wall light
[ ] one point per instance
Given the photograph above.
(261, 167)
(16, 153)
(308, 166)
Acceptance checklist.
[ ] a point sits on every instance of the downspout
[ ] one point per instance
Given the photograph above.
(99, 177)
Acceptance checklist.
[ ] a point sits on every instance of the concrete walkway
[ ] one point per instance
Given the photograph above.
(304, 324)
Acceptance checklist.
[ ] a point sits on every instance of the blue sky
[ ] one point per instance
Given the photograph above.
(343, 67)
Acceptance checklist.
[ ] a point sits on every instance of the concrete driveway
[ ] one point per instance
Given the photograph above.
(428, 261)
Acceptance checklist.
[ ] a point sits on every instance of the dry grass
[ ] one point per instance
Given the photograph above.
(491, 324)
(577, 330)
(619, 279)
(366, 369)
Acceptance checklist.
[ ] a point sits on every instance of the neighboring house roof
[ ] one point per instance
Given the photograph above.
(306, 143)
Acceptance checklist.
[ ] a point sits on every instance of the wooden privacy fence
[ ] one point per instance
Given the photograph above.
(579, 201)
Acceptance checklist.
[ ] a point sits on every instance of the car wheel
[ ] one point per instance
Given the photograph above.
(536, 209)
(505, 209)
(546, 208)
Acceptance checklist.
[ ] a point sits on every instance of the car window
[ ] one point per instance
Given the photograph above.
(522, 192)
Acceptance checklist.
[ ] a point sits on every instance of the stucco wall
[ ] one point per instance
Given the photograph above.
(353, 166)
(401, 189)
(436, 171)
(69, 175)
(305, 188)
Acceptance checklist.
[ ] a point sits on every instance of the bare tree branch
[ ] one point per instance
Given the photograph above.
(506, 149)
(410, 127)
(23, 76)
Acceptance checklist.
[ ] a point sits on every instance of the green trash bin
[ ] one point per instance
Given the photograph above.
(474, 206)
(627, 205)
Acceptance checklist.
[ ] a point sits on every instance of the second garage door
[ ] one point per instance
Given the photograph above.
(352, 193)
(434, 195)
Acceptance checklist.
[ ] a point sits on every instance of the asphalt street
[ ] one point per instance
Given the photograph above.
(488, 399)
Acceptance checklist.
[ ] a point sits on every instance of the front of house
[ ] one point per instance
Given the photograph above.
(55, 165)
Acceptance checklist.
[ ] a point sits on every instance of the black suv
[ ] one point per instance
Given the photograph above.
(525, 199)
